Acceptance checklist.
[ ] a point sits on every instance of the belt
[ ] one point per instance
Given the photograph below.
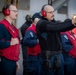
(48, 54)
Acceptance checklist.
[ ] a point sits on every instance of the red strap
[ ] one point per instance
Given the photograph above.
(9, 28)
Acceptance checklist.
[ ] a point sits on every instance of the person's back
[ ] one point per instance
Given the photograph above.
(24, 49)
(69, 51)
(26, 24)
(31, 41)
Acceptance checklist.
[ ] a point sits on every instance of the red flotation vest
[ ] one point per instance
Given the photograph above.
(12, 52)
(72, 39)
(36, 49)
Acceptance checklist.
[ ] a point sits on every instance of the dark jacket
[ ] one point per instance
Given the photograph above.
(30, 39)
(24, 27)
(49, 34)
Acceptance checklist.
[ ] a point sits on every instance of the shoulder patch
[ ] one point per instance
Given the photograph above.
(31, 34)
(66, 37)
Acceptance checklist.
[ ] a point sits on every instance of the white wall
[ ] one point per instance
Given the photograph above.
(60, 17)
(21, 17)
(36, 5)
(2, 2)
(71, 8)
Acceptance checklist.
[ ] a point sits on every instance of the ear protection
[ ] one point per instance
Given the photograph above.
(6, 10)
(28, 17)
(43, 12)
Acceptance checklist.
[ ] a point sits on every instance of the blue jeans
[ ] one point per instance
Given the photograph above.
(54, 70)
(33, 65)
(69, 64)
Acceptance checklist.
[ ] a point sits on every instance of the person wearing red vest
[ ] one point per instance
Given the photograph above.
(33, 49)
(9, 41)
(69, 51)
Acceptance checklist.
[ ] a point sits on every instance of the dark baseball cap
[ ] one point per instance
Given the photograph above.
(36, 15)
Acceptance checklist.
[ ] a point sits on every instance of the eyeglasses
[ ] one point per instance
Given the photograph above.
(14, 10)
(50, 12)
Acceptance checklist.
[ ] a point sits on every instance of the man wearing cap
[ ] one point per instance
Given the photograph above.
(33, 49)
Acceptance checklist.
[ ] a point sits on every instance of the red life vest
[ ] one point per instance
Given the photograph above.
(72, 39)
(12, 52)
(36, 49)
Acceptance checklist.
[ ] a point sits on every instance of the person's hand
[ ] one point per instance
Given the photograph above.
(14, 41)
(17, 66)
(74, 19)
(36, 20)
